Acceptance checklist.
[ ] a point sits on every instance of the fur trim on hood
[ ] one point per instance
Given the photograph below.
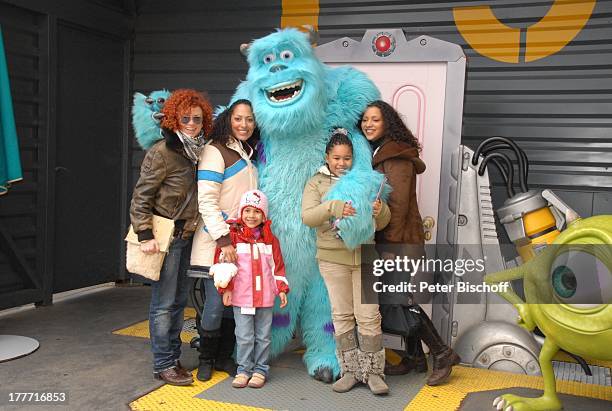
(395, 149)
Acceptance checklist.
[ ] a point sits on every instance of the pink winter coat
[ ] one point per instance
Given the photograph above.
(261, 270)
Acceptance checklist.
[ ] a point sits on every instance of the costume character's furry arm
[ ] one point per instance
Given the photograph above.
(353, 91)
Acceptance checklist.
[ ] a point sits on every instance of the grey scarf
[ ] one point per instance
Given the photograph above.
(193, 146)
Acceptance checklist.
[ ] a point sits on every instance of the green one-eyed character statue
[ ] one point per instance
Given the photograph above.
(568, 291)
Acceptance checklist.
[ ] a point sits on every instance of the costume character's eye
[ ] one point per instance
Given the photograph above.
(564, 281)
(161, 101)
(579, 277)
(269, 58)
(286, 54)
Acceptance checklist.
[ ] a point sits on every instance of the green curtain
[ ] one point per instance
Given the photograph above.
(10, 165)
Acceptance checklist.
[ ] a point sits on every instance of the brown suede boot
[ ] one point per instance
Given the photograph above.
(372, 363)
(348, 357)
(443, 356)
(413, 359)
(442, 366)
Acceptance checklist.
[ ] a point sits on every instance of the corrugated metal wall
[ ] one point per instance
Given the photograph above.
(195, 44)
(558, 108)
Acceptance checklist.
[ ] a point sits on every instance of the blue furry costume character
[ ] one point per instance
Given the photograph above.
(297, 100)
(146, 117)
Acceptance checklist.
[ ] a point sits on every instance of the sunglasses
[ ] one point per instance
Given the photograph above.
(187, 119)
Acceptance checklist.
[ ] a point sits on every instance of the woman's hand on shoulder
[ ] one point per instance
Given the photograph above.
(149, 246)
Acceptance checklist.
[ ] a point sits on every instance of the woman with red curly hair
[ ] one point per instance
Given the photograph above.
(167, 187)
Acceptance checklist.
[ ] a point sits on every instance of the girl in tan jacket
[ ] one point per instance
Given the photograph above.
(362, 357)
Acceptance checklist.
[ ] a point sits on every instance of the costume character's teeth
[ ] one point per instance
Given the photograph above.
(285, 92)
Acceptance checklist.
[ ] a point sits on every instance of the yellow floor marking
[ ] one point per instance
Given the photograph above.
(141, 329)
(467, 380)
(169, 397)
(463, 381)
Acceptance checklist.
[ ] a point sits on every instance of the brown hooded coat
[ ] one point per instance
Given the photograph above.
(400, 162)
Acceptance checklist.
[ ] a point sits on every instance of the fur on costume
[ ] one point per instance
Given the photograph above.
(145, 109)
(297, 101)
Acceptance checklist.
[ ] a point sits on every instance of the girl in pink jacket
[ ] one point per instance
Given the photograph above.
(260, 278)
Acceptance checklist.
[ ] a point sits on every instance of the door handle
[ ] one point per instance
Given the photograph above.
(428, 224)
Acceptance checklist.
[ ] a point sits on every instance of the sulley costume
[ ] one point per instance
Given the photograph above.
(297, 100)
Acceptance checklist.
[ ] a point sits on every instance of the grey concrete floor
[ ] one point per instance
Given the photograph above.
(98, 370)
(78, 353)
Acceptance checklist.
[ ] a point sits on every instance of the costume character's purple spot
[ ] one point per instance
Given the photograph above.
(329, 328)
(281, 320)
(261, 155)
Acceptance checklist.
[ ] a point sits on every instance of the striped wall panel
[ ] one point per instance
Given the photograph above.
(558, 108)
(195, 44)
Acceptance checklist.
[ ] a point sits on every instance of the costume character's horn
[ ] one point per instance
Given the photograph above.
(313, 35)
(244, 49)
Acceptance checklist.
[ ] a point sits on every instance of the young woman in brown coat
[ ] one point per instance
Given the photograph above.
(396, 154)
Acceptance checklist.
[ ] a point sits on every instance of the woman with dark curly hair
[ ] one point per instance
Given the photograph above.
(225, 172)
(166, 187)
(396, 154)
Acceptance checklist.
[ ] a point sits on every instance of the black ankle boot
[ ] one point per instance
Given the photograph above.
(413, 359)
(209, 345)
(205, 370)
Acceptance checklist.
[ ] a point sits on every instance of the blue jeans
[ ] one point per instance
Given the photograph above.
(213, 310)
(168, 301)
(253, 339)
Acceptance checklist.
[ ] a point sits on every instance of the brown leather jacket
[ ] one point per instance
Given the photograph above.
(166, 178)
(401, 163)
